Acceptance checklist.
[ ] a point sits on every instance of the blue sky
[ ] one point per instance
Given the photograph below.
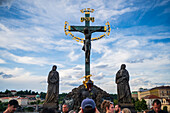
(32, 40)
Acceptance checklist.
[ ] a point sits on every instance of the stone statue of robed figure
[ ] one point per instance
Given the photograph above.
(53, 88)
(123, 89)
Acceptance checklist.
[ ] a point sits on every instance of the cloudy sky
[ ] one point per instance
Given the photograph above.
(32, 40)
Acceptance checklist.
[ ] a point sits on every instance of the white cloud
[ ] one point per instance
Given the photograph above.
(27, 60)
(22, 80)
(107, 14)
(73, 56)
(2, 61)
(16, 71)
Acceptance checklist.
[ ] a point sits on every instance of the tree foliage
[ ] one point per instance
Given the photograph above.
(115, 101)
(61, 97)
(42, 95)
(3, 106)
(140, 105)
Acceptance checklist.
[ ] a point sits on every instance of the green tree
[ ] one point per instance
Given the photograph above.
(29, 92)
(33, 93)
(61, 97)
(3, 106)
(20, 92)
(133, 100)
(32, 103)
(140, 105)
(29, 109)
(143, 105)
(114, 96)
(7, 91)
(115, 101)
(26, 92)
(42, 95)
(137, 106)
(38, 101)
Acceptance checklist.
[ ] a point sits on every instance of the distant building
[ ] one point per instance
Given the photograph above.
(149, 95)
(21, 100)
(31, 98)
(13, 92)
(135, 95)
(162, 92)
(166, 102)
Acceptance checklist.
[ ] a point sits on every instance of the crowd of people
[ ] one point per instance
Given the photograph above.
(88, 106)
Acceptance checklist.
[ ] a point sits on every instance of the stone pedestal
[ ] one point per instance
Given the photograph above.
(51, 105)
(75, 97)
(129, 106)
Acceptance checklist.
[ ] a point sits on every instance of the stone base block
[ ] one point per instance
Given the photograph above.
(50, 105)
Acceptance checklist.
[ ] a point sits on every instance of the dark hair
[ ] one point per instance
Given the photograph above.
(105, 103)
(88, 109)
(157, 102)
(13, 102)
(119, 106)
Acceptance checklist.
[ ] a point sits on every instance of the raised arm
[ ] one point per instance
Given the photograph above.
(76, 29)
(92, 31)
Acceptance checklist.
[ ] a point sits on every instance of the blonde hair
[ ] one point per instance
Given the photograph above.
(105, 103)
(126, 110)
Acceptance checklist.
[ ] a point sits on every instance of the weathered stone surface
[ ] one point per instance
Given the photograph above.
(50, 105)
(75, 97)
(123, 88)
(51, 99)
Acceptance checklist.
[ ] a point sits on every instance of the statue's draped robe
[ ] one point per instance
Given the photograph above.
(53, 87)
(123, 89)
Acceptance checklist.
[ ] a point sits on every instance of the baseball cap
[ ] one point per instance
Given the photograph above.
(13, 102)
(88, 102)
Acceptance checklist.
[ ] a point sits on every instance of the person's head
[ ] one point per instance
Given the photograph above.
(156, 105)
(117, 108)
(13, 104)
(107, 106)
(65, 108)
(123, 66)
(88, 106)
(54, 68)
(126, 110)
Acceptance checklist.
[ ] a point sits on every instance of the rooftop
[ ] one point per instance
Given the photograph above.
(160, 87)
(151, 97)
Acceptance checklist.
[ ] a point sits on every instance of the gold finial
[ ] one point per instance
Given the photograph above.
(88, 10)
